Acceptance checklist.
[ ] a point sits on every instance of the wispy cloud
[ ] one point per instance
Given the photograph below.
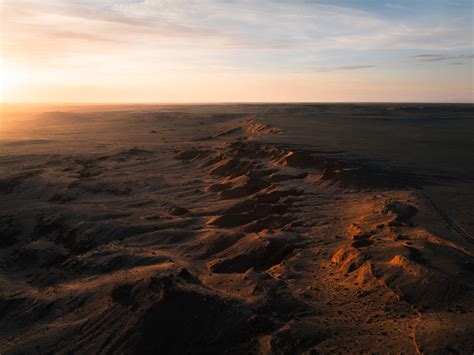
(440, 57)
(347, 67)
(394, 6)
(224, 25)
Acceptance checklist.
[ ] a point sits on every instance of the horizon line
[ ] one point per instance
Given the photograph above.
(145, 103)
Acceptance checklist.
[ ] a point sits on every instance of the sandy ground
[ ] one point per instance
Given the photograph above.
(199, 229)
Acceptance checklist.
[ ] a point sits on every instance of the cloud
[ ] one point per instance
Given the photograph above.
(347, 67)
(394, 6)
(212, 34)
(84, 36)
(259, 24)
(440, 57)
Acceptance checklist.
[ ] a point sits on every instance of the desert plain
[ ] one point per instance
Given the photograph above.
(237, 229)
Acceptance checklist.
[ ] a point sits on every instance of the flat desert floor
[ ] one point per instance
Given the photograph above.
(267, 229)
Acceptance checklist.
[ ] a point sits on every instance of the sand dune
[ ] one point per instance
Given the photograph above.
(149, 232)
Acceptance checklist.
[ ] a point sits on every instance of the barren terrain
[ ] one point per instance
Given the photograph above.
(234, 229)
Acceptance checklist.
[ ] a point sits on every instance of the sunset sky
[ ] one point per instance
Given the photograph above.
(236, 50)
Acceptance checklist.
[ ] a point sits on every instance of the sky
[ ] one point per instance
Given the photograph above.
(156, 51)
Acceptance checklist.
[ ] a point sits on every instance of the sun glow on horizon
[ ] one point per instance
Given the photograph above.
(12, 78)
(5, 82)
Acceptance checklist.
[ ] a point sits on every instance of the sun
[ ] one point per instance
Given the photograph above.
(3, 84)
(5, 81)
(9, 80)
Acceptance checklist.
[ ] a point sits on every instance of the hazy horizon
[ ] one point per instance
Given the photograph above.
(151, 103)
